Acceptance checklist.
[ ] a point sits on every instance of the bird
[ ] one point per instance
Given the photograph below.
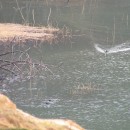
(106, 51)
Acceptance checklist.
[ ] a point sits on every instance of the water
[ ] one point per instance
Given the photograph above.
(118, 48)
(87, 85)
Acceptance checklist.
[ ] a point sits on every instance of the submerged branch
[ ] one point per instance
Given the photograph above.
(11, 52)
(25, 67)
(7, 70)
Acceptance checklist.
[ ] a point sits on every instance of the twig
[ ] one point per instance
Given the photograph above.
(7, 70)
(3, 54)
(48, 19)
(114, 28)
(20, 11)
(33, 17)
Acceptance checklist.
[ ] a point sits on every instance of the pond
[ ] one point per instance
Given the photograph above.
(90, 79)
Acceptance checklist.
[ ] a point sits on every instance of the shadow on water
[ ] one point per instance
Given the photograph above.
(82, 84)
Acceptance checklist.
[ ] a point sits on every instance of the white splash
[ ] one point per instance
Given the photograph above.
(119, 48)
(98, 48)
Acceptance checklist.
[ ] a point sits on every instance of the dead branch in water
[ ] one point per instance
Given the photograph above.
(22, 66)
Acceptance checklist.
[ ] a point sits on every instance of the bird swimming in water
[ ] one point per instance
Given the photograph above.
(118, 48)
(106, 51)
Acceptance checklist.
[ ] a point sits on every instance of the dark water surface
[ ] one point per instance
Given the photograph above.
(88, 85)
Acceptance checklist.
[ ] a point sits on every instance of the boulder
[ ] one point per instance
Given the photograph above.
(13, 118)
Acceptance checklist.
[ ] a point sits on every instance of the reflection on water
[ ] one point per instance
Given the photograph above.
(58, 95)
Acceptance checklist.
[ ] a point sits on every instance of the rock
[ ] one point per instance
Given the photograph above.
(14, 118)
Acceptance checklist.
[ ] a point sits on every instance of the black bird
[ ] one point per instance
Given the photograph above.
(106, 51)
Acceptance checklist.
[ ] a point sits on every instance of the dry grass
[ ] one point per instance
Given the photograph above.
(13, 118)
(84, 89)
(17, 33)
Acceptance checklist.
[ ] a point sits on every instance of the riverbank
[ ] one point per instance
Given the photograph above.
(13, 118)
(16, 33)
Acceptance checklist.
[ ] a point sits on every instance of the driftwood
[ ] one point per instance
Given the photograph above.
(16, 33)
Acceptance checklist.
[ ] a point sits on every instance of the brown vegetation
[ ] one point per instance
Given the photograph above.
(82, 89)
(16, 33)
(13, 118)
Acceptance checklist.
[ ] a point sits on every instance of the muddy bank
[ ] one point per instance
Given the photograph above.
(13, 118)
